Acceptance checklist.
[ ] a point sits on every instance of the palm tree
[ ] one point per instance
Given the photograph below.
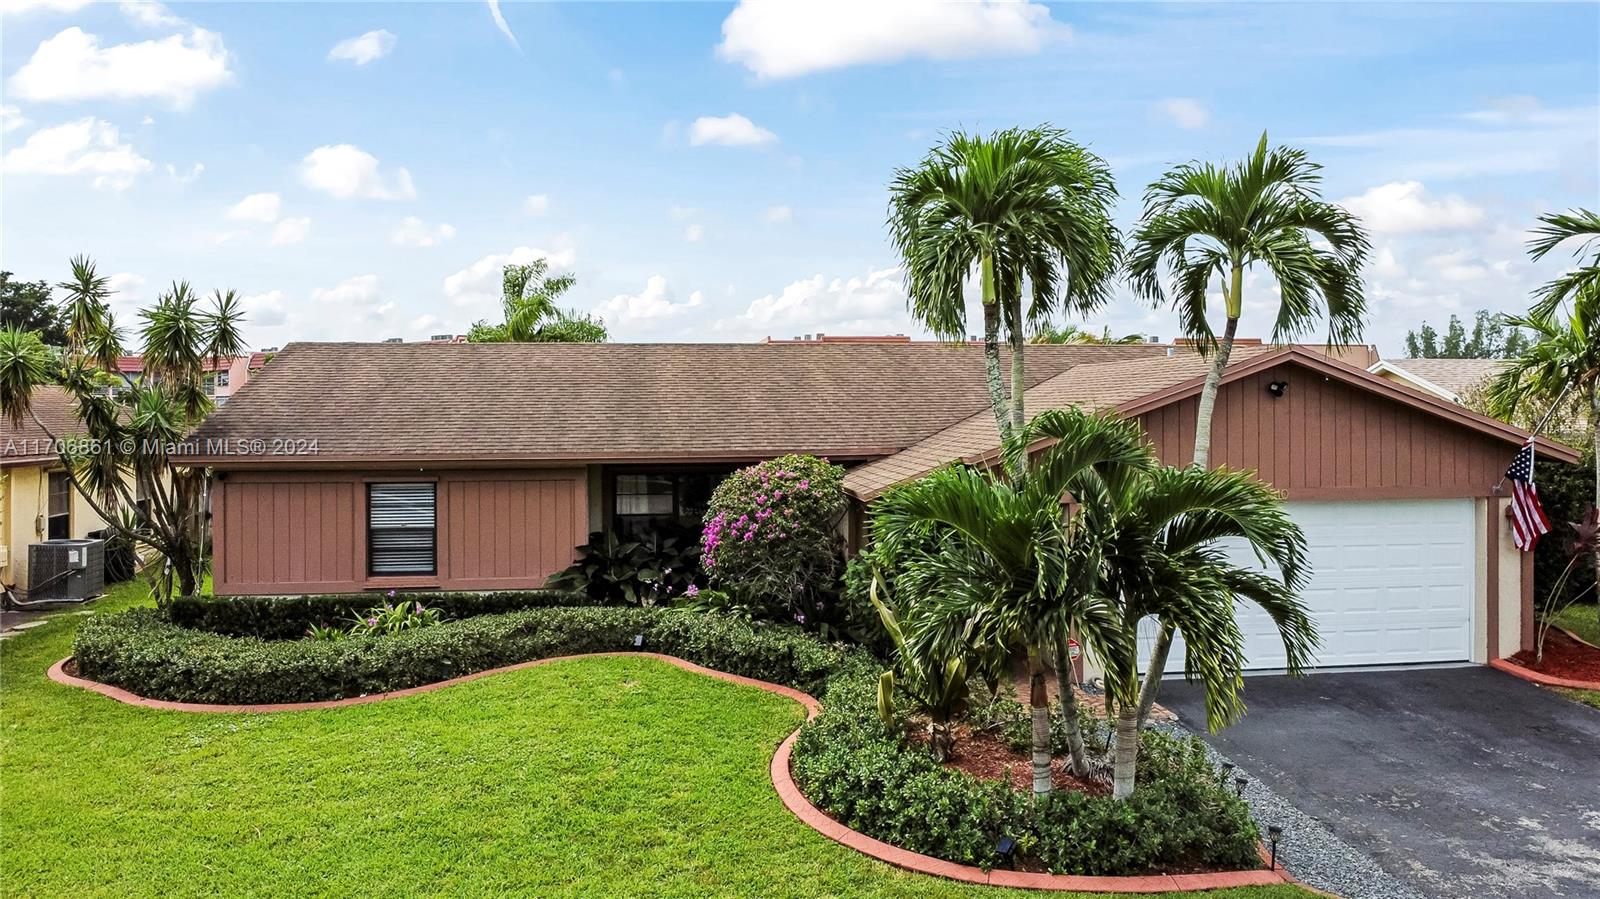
(1201, 220)
(1016, 206)
(995, 564)
(1561, 369)
(1157, 539)
(131, 429)
(528, 300)
(1072, 334)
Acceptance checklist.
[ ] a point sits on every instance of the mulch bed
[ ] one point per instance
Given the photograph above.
(987, 755)
(1563, 657)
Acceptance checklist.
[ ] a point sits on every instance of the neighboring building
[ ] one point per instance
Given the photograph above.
(223, 376)
(495, 460)
(37, 501)
(1451, 379)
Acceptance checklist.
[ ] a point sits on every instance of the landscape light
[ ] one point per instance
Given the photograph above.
(1274, 833)
(1239, 785)
(1006, 849)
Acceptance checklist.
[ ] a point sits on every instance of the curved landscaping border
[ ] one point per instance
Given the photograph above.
(1548, 680)
(788, 791)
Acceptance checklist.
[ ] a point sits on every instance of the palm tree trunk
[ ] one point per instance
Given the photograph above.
(940, 740)
(1069, 708)
(991, 350)
(1039, 699)
(1154, 672)
(1125, 766)
(1018, 375)
(1202, 459)
(1594, 424)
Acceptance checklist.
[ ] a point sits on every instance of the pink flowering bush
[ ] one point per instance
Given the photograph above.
(771, 536)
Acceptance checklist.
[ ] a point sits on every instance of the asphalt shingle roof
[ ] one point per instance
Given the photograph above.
(618, 402)
(1455, 375)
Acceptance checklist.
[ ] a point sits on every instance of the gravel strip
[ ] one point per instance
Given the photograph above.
(1311, 852)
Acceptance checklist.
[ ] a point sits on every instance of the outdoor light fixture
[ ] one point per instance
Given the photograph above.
(638, 639)
(1239, 785)
(1006, 849)
(1277, 388)
(1274, 834)
(1227, 768)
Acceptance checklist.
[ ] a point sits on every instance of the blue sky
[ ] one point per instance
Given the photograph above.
(717, 171)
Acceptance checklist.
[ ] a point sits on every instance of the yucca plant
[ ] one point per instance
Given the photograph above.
(131, 427)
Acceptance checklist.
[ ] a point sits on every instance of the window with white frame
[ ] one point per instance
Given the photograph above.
(401, 529)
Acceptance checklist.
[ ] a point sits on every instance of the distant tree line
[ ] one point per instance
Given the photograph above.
(1492, 337)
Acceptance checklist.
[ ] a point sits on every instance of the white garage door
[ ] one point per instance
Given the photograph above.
(1392, 583)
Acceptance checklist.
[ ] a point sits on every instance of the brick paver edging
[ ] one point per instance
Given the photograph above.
(1548, 680)
(788, 791)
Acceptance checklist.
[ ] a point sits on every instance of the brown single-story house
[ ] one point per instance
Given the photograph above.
(348, 467)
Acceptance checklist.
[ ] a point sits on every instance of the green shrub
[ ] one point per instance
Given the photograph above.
(139, 651)
(390, 618)
(288, 617)
(1183, 817)
(771, 535)
(643, 571)
(1564, 492)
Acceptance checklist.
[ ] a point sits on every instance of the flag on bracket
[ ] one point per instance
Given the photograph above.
(1528, 521)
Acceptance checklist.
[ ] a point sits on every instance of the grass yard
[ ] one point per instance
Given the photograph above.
(1582, 620)
(600, 777)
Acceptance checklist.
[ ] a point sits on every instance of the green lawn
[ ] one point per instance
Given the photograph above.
(1582, 620)
(597, 777)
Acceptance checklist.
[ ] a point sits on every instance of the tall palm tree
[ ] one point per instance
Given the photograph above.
(998, 563)
(1026, 209)
(1203, 220)
(1157, 539)
(1561, 368)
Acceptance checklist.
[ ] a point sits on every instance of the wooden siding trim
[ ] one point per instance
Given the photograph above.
(1492, 572)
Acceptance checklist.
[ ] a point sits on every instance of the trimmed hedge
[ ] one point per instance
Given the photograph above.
(140, 651)
(288, 617)
(1183, 816)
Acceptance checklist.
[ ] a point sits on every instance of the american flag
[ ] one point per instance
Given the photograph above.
(1528, 521)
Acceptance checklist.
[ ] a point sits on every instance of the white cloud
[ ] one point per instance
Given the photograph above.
(73, 66)
(479, 283)
(777, 215)
(11, 119)
(693, 233)
(785, 38)
(683, 212)
(261, 207)
(183, 177)
(17, 7)
(151, 14)
(366, 48)
(86, 147)
(127, 290)
(414, 232)
(345, 171)
(229, 236)
(1185, 112)
(362, 290)
(1405, 207)
(536, 204)
(500, 23)
(266, 310)
(874, 304)
(656, 301)
(291, 231)
(731, 130)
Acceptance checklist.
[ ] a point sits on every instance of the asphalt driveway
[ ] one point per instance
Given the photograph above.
(1459, 782)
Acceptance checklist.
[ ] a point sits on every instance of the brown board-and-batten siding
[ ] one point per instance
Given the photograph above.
(306, 531)
(1327, 439)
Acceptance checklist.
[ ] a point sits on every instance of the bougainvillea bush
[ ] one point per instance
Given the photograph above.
(772, 536)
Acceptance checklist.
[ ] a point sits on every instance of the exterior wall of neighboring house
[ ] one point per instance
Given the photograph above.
(24, 507)
(288, 532)
(227, 380)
